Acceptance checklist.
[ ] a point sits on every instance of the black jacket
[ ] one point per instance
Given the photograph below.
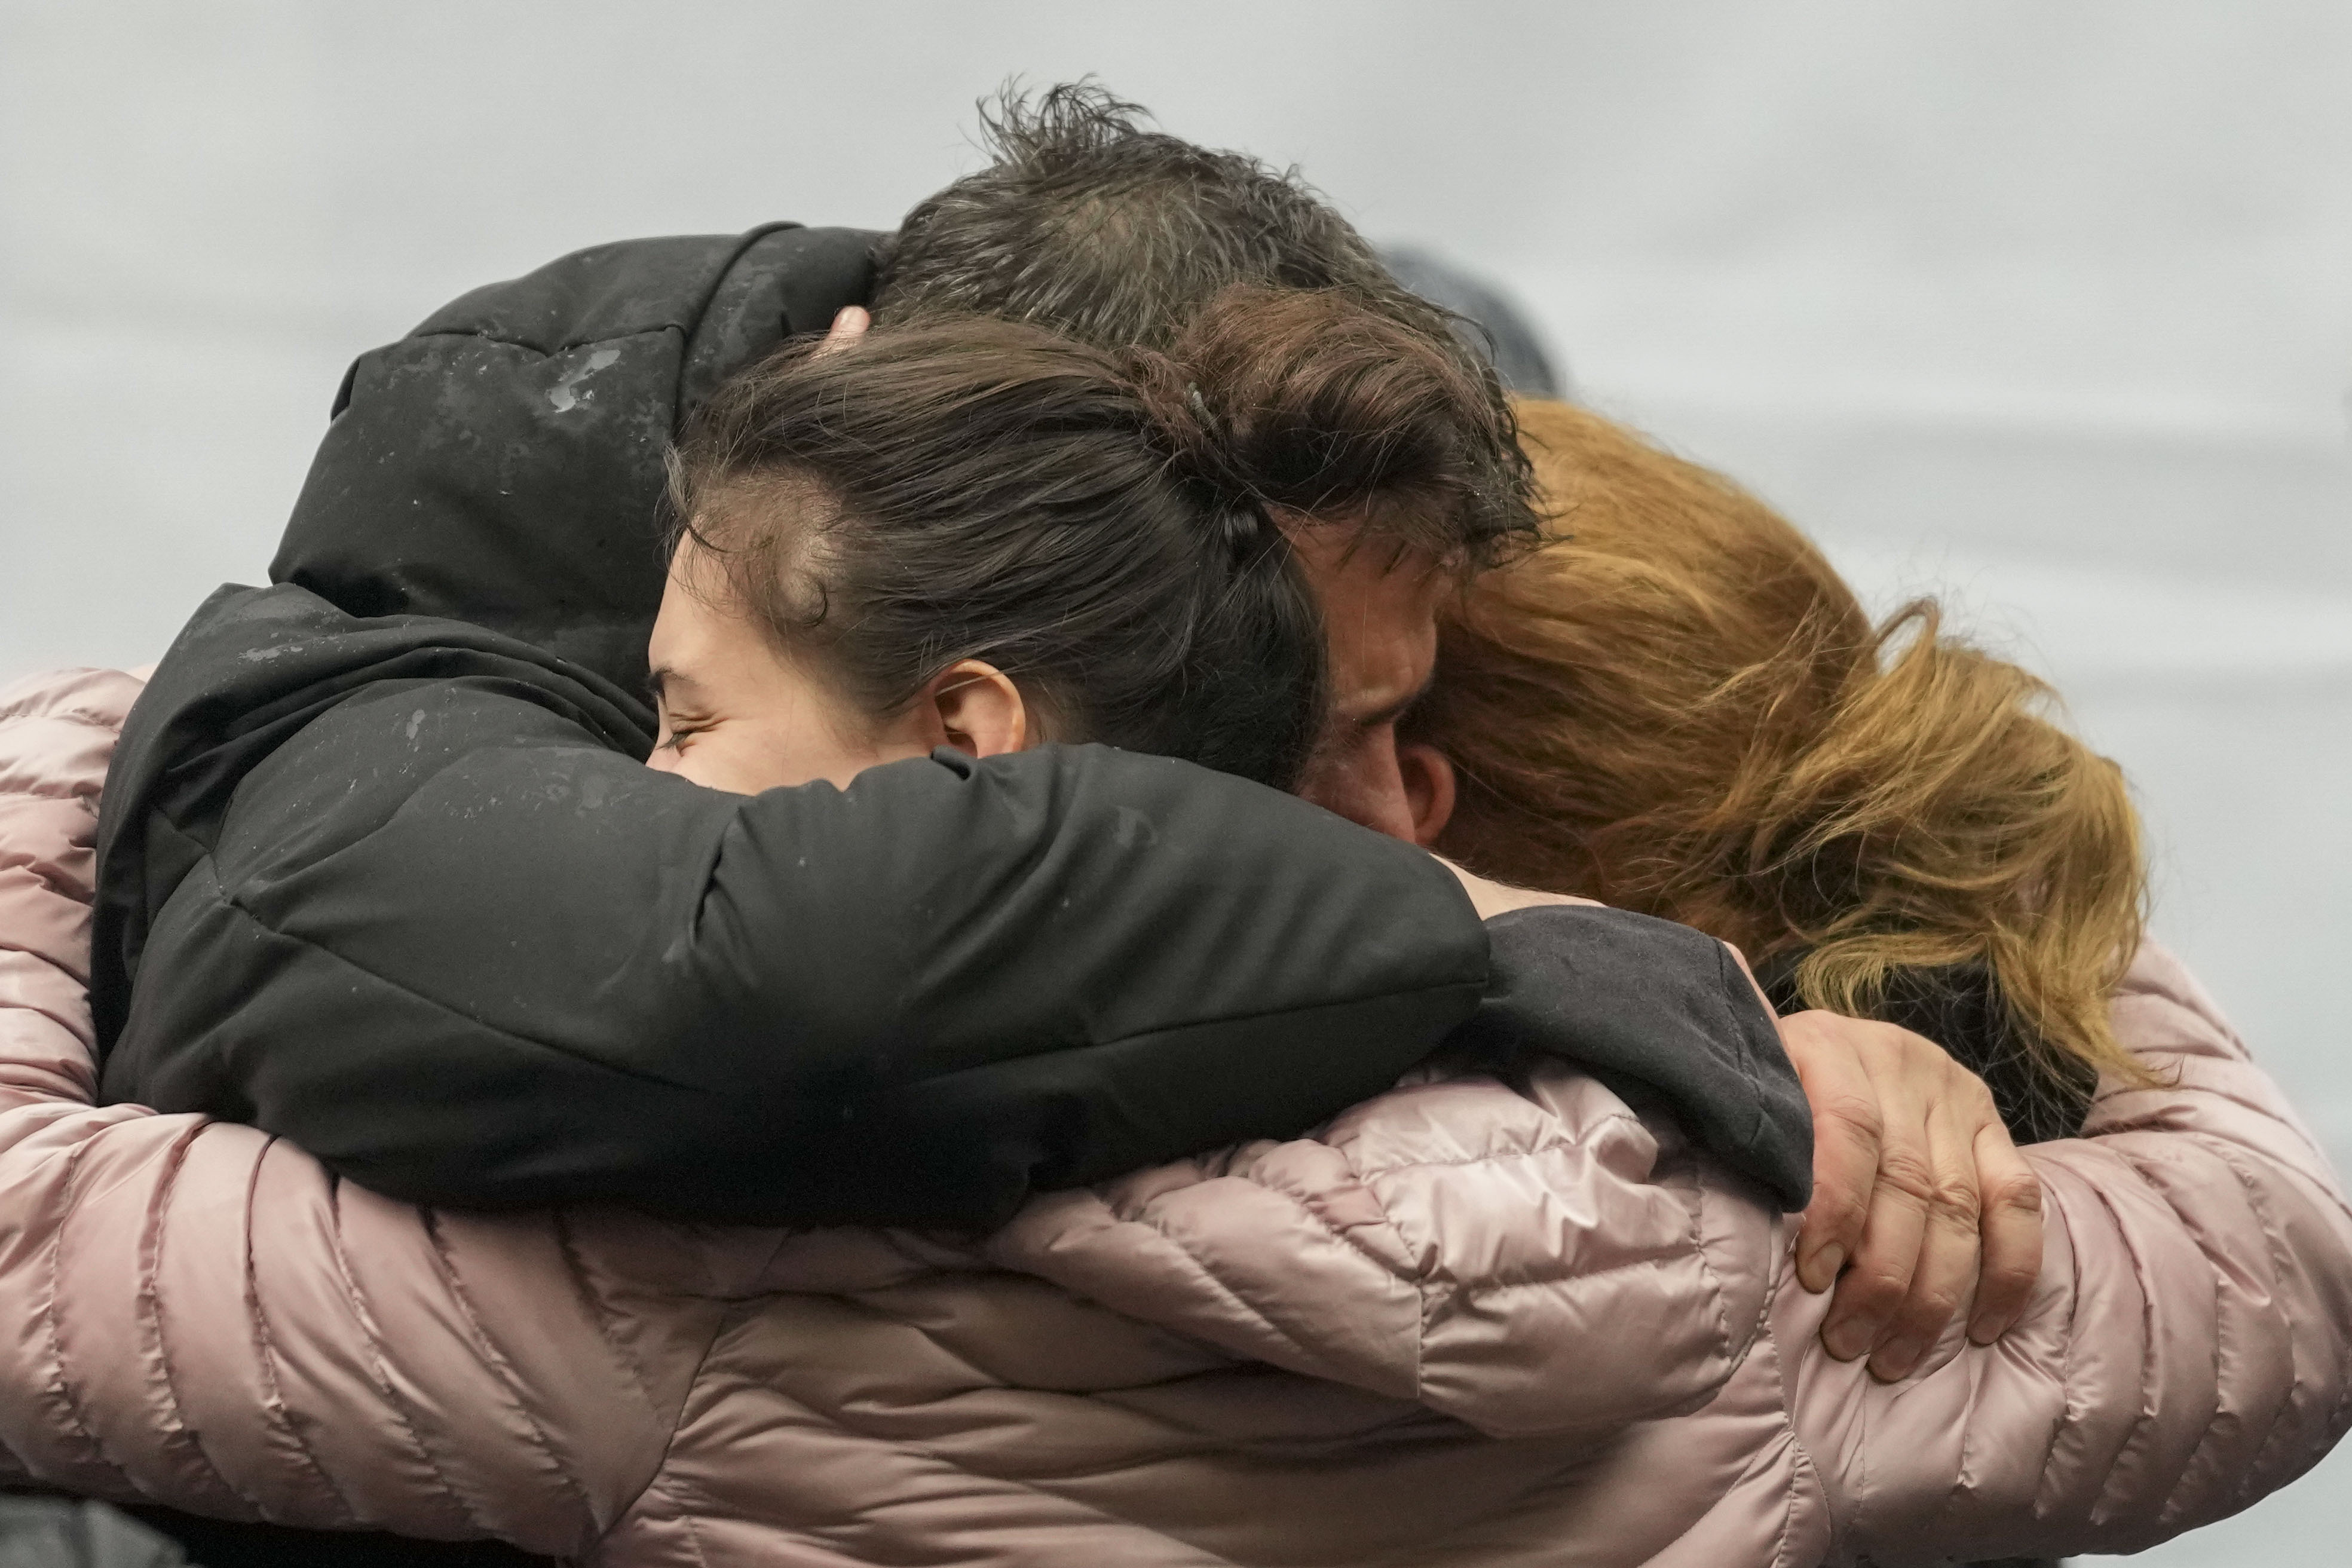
(379, 857)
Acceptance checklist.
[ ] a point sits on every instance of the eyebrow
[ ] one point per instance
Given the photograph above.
(661, 681)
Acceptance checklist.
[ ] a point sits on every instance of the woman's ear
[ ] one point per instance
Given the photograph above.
(1428, 789)
(978, 709)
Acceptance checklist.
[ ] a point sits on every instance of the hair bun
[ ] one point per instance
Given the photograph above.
(1201, 449)
(1188, 429)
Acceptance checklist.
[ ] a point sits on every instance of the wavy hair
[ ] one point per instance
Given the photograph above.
(1677, 706)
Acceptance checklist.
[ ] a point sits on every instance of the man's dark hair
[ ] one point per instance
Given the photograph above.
(1090, 223)
(1100, 526)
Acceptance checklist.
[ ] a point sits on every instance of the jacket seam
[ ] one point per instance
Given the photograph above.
(18, 713)
(264, 1344)
(693, 1503)
(228, 900)
(1802, 1458)
(1564, 1139)
(495, 1360)
(151, 1233)
(66, 1390)
(1720, 1294)
(2142, 1432)
(1575, 1277)
(684, 1491)
(1258, 1314)
(663, 1482)
(59, 797)
(576, 1265)
(2280, 1425)
(355, 1301)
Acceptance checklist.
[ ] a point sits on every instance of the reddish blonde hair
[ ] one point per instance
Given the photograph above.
(1677, 706)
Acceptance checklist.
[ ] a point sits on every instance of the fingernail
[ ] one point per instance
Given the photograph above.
(1896, 1359)
(1823, 1271)
(1984, 1331)
(1851, 1337)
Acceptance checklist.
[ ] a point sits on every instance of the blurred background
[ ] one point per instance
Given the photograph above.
(2048, 308)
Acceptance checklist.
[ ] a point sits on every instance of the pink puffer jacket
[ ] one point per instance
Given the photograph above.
(1462, 1325)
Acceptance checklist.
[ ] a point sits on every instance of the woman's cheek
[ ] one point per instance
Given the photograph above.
(711, 764)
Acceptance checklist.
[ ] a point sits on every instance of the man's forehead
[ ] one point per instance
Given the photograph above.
(1351, 569)
(1380, 611)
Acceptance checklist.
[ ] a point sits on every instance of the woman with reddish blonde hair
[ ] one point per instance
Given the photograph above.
(1675, 705)
(1678, 707)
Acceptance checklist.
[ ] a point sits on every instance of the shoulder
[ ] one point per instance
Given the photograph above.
(53, 703)
(2162, 1008)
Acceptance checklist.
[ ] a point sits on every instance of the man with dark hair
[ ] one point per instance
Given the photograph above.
(1088, 221)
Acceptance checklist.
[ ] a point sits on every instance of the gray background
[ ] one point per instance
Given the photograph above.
(2047, 306)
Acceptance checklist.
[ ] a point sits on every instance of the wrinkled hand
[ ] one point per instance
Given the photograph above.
(1922, 1206)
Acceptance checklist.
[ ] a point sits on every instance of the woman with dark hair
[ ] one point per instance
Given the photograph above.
(894, 551)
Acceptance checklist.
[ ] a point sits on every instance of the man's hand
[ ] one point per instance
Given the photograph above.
(1920, 1200)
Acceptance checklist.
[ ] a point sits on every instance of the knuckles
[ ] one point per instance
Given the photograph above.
(1955, 1202)
(2019, 1196)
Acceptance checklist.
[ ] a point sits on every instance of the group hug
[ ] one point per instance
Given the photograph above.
(1055, 890)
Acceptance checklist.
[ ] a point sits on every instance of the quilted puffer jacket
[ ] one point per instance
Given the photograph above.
(1465, 1323)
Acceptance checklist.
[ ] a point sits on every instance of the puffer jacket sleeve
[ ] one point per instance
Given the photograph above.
(2187, 1349)
(1459, 1243)
(199, 1315)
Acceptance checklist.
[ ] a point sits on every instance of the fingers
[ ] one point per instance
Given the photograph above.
(1945, 1274)
(2012, 1232)
(1846, 1127)
(849, 324)
(1878, 1281)
(1920, 1195)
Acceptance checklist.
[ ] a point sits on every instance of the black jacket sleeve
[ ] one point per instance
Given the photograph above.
(1664, 1016)
(377, 850)
(398, 895)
